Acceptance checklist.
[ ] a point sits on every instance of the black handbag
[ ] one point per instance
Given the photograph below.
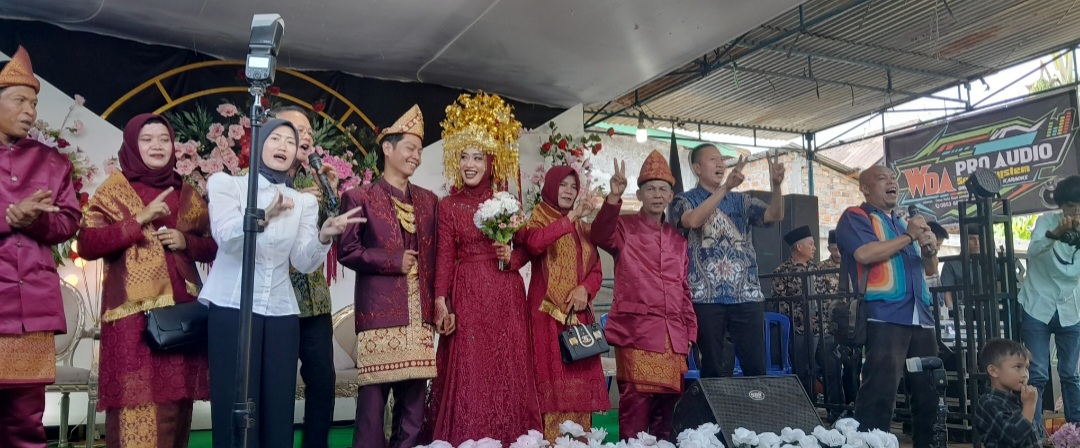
(581, 341)
(178, 327)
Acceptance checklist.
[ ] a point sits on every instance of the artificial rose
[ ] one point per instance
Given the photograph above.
(568, 427)
(227, 110)
(769, 440)
(744, 437)
(829, 437)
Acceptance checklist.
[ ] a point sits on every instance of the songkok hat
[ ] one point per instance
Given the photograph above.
(410, 123)
(485, 122)
(832, 237)
(19, 72)
(797, 235)
(655, 168)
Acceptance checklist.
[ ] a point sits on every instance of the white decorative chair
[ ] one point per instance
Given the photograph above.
(80, 325)
(347, 381)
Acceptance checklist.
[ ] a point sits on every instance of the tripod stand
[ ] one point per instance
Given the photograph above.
(941, 431)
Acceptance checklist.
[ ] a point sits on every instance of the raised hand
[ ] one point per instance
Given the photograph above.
(408, 260)
(172, 239)
(735, 177)
(618, 180)
(917, 228)
(156, 209)
(279, 205)
(584, 207)
(26, 211)
(332, 176)
(336, 225)
(776, 169)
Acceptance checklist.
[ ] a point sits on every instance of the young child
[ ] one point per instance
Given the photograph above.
(1005, 414)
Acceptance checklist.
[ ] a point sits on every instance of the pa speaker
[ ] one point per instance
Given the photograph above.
(760, 404)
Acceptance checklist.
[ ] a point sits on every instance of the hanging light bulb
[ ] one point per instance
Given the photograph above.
(641, 134)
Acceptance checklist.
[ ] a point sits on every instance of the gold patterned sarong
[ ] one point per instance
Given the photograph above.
(388, 355)
(552, 420)
(651, 372)
(28, 359)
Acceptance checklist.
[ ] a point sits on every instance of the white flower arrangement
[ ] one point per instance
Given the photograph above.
(844, 434)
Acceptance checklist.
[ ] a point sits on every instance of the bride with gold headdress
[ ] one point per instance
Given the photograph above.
(485, 384)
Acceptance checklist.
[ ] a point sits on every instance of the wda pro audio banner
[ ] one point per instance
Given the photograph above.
(1029, 145)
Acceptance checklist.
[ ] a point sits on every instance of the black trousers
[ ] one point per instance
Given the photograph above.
(746, 324)
(887, 347)
(826, 357)
(272, 384)
(317, 371)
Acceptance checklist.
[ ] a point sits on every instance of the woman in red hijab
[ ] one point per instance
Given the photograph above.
(566, 274)
(150, 228)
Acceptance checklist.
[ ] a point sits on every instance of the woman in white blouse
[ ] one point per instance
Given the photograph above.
(291, 236)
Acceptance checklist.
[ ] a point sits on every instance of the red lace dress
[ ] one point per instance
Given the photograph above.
(485, 385)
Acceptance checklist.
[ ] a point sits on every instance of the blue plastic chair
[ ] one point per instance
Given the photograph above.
(603, 325)
(692, 371)
(784, 323)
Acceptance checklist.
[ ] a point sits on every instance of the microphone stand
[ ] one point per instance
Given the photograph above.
(243, 406)
(941, 430)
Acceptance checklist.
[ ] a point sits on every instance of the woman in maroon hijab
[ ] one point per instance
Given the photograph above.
(566, 275)
(150, 228)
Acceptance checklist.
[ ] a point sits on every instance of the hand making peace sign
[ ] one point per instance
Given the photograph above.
(776, 169)
(336, 225)
(618, 180)
(735, 177)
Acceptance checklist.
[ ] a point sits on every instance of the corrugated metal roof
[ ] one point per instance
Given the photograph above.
(853, 58)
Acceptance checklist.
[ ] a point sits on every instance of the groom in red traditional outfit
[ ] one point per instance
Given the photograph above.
(652, 321)
(393, 254)
(41, 210)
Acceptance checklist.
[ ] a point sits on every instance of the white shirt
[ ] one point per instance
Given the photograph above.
(289, 238)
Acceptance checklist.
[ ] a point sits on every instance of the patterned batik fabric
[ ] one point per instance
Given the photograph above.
(161, 425)
(723, 262)
(651, 372)
(793, 287)
(389, 355)
(29, 359)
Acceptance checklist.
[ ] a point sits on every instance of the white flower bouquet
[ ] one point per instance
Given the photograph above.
(499, 218)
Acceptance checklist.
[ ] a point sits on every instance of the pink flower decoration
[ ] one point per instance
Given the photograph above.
(211, 165)
(79, 127)
(222, 142)
(111, 166)
(79, 100)
(236, 132)
(502, 225)
(350, 184)
(183, 167)
(216, 130)
(245, 122)
(368, 174)
(227, 110)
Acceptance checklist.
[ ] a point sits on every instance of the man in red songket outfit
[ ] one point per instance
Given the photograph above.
(393, 254)
(41, 210)
(652, 321)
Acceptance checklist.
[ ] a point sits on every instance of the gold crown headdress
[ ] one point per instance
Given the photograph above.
(484, 122)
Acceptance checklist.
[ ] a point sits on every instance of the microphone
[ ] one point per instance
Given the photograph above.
(923, 364)
(912, 212)
(316, 164)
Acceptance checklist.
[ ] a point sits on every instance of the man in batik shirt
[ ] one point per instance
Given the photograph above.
(41, 210)
(313, 297)
(803, 349)
(723, 273)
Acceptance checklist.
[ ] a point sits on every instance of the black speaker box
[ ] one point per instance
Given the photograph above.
(799, 210)
(760, 404)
